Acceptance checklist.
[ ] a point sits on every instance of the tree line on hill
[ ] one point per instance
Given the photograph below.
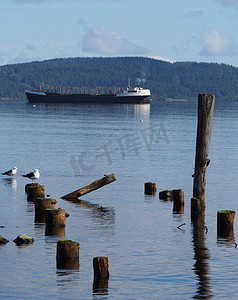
(181, 80)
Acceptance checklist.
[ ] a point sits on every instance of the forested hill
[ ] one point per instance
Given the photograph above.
(183, 80)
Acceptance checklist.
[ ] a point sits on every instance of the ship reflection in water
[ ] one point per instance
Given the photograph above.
(142, 111)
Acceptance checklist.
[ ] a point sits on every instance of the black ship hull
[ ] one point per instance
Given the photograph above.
(47, 97)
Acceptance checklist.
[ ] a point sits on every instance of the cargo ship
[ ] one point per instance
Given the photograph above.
(132, 95)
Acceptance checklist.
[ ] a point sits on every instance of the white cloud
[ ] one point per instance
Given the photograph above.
(158, 57)
(100, 40)
(217, 44)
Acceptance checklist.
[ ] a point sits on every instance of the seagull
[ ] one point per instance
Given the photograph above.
(33, 175)
(11, 172)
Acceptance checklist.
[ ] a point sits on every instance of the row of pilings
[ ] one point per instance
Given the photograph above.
(225, 218)
(67, 252)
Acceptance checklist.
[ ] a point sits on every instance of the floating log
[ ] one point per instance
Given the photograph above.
(150, 188)
(100, 267)
(225, 222)
(34, 190)
(91, 187)
(204, 128)
(55, 217)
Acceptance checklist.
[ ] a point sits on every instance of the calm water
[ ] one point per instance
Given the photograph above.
(149, 257)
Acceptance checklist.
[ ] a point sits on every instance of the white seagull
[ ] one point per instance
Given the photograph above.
(33, 175)
(11, 172)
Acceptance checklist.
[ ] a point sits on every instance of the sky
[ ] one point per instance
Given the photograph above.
(171, 30)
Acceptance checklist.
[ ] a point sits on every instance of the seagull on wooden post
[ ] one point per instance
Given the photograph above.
(11, 172)
(33, 175)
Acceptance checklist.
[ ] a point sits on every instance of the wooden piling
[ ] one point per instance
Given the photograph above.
(204, 127)
(67, 249)
(225, 222)
(150, 188)
(100, 267)
(55, 217)
(178, 199)
(34, 190)
(41, 204)
(165, 195)
(67, 255)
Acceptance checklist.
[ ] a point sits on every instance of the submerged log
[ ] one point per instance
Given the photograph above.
(91, 187)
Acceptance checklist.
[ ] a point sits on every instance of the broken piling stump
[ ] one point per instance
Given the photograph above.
(100, 267)
(67, 249)
(67, 254)
(165, 195)
(34, 190)
(225, 222)
(41, 204)
(55, 217)
(91, 187)
(150, 188)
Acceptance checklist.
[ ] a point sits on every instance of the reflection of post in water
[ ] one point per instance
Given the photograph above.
(201, 257)
(100, 286)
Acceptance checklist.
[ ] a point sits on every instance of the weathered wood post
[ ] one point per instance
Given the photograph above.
(67, 255)
(150, 188)
(41, 204)
(100, 267)
(55, 217)
(178, 199)
(204, 127)
(225, 221)
(34, 190)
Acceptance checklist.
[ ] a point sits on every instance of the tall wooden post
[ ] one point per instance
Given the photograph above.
(204, 127)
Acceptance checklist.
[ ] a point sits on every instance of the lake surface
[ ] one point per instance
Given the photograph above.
(149, 257)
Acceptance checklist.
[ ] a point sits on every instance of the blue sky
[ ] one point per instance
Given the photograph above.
(174, 30)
